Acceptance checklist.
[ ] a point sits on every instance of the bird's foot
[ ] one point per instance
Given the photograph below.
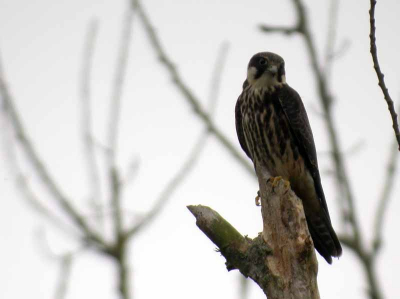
(274, 181)
(258, 197)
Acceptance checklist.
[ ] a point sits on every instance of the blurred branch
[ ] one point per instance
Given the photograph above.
(216, 76)
(131, 172)
(170, 188)
(64, 276)
(23, 186)
(42, 171)
(32, 199)
(194, 154)
(115, 110)
(119, 248)
(382, 85)
(279, 29)
(354, 240)
(186, 92)
(281, 260)
(352, 150)
(385, 197)
(118, 84)
(86, 120)
(325, 97)
(243, 287)
(331, 37)
(64, 260)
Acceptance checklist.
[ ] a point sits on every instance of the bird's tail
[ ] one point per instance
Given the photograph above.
(324, 237)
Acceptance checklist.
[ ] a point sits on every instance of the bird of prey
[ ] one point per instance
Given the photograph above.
(274, 131)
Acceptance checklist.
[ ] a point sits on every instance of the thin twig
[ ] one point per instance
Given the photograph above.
(382, 85)
(343, 181)
(118, 84)
(331, 37)
(64, 276)
(113, 125)
(86, 121)
(353, 241)
(119, 248)
(215, 82)
(64, 260)
(279, 29)
(383, 202)
(22, 185)
(187, 93)
(170, 187)
(131, 172)
(41, 170)
(325, 97)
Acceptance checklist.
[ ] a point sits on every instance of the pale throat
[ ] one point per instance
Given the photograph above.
(266, 81)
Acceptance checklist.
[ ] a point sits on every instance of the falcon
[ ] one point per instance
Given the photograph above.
(274, 131)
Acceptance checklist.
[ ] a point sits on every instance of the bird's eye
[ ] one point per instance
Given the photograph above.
(262, 61)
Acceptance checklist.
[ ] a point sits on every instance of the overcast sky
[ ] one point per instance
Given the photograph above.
(41, 45)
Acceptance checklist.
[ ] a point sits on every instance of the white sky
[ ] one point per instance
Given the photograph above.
(41, 47)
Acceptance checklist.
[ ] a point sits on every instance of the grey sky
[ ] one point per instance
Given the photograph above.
(41, 45)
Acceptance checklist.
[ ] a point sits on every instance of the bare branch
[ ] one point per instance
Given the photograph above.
(195, 153)
(119, 247)
(32, 199)
(243, 287)
(170, 188)
(325, 97)
(23, 186)
(64, 203)
(64, 260)
(131, 172)
(383, 202)
(331, 37)
(343, 181)
(348, 211)
(382, 85)
(186, 92)
(279, 29)
(215, 82)
(86, 120)
(118, 83)
(64, 276)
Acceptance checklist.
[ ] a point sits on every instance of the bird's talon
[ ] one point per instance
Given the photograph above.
(274, 181)
(258, 197)
(287, 186)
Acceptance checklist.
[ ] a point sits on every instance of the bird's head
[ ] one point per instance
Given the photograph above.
(266, 70)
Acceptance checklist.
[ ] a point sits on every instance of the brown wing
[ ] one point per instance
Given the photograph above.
(239, 126)
(297, 116)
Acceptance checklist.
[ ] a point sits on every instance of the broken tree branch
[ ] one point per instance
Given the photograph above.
(281, 260)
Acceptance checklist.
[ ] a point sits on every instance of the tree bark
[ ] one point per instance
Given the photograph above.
(281, 260)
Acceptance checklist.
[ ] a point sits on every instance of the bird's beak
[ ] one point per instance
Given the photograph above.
(273, 69)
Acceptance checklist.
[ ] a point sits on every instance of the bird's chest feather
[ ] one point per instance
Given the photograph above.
(268, 135)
